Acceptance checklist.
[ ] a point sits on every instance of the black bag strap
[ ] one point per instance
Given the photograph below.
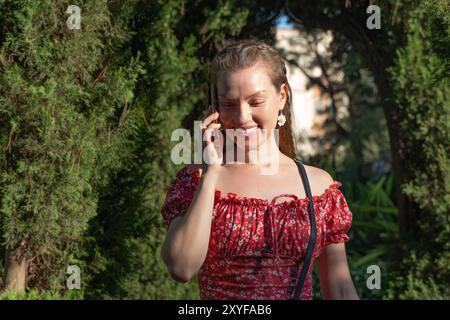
(312, 237)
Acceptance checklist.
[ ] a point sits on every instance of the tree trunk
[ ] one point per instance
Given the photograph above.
(407, 209)
(16, 266)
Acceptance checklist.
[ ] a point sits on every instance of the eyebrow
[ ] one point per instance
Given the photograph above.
(254, 94)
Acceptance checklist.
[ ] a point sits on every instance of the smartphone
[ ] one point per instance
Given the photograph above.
(214, 102)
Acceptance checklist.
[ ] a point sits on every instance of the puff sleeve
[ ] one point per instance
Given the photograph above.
(338, 217)
(179, 194)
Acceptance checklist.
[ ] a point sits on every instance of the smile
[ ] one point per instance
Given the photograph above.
(247, 132)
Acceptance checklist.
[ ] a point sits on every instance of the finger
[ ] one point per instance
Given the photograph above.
(210, 118)
(215, 125)
(212, 127)
(215, 128)
(207, 135)
(211, 134)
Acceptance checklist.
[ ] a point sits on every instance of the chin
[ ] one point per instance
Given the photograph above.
(246, 145)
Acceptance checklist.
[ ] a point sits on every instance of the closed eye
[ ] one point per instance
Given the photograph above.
(257, 103)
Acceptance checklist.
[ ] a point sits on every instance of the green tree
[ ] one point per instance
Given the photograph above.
(64, 127)
(175, 41)
(408, 59)
(421, 77)
(86, 121)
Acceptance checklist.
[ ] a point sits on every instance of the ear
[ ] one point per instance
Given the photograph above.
(283, 95)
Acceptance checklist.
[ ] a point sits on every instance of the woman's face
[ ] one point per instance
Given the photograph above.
(247, 99)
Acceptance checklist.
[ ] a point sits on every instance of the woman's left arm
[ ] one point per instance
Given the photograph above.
(335, 278)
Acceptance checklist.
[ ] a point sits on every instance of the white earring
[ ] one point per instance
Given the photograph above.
(281, 119)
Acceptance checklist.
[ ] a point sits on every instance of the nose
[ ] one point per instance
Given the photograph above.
(244, 113)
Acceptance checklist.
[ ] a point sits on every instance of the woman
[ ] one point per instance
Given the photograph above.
(225, 219)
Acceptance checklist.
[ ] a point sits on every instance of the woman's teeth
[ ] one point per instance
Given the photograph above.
(247, 132)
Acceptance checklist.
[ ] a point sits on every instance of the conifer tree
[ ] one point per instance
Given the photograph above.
(65, 96)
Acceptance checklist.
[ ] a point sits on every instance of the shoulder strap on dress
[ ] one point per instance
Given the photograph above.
(312, 237)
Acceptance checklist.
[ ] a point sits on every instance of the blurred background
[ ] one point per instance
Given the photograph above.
(89, 98)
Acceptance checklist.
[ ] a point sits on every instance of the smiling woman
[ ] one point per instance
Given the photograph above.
(248, 82)
(223, 220)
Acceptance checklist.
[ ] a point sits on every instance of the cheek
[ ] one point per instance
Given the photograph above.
(268, 116)
(225, 117)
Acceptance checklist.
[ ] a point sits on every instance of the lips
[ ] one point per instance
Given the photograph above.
(247, 131)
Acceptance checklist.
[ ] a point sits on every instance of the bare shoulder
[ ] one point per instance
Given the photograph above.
(319, 179)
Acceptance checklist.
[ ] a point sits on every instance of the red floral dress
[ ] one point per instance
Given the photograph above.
(257, 247)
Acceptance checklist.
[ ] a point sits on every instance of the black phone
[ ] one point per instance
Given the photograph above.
(214, 104)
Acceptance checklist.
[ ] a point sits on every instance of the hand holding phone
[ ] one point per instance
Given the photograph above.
(213, 110)
(213, 150)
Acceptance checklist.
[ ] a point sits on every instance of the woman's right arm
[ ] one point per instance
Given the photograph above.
(186, 244)
(187, 240)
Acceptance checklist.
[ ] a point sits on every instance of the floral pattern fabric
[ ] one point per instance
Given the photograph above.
(256, 246)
